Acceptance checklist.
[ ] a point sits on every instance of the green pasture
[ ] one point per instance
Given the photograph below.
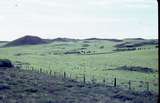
(52, 57)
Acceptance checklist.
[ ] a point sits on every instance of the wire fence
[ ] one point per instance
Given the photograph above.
(82, 78)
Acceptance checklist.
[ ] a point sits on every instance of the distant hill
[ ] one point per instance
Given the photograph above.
(3, 41)
(133, 39)
(114, 40)
(34, 40)
(26, 40)
(137, 42)
(64, 40)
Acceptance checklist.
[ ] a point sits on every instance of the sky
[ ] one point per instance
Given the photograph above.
(79, 18)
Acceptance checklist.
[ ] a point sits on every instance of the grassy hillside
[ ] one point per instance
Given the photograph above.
(21, 86)
(26, 40)
(94, 58)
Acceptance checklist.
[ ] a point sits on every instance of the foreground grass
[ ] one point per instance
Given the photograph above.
(22, 86)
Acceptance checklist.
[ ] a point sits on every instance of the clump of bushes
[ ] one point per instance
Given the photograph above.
(136, 68)
(85, 45)
(101, 47)
(124, 49)
(6, 63)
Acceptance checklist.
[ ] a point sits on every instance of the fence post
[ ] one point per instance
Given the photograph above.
(84, 79)
(93, 80)
(54, 74)
(115, 82)
(64, 75)
(40, 70)
(50, 72)
(129, 84)
(70, 76)
(104, 81)
(147, 83)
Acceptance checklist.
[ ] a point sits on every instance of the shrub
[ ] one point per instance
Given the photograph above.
(85, 45)
(5, 63)
(101, 47)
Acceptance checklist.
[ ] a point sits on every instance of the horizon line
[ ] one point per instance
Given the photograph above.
(82, 38)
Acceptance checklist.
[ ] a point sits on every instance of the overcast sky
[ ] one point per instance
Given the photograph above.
(78, 18)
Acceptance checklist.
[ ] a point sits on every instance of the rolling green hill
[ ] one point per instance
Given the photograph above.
(93, 57)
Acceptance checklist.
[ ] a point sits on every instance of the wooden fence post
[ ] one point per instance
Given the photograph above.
(50, 72)
(129, 84)
(115, 82)
(84, 79)
(104, 81)
(40, 70)
(54, 74)
(147, 83)
(64, 75)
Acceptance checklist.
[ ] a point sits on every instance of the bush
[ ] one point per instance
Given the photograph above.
(85, 45)
(5, 63)
(101, 47)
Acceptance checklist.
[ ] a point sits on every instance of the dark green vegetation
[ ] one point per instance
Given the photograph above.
(23, 86)
(137, 69)
(5, 63)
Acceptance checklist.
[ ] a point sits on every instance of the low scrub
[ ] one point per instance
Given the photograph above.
(137, 69)
(5, 63)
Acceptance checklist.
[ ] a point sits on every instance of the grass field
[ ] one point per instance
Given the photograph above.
(98, 61)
